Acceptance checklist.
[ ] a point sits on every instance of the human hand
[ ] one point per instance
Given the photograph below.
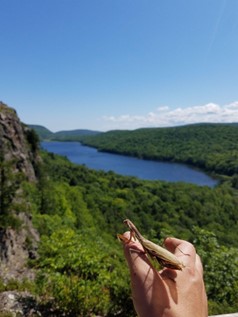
(167, 293)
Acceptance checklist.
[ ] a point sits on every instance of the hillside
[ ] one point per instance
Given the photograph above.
(18, 144)
(213, 147)
(63, 220)
(69, 135)
(19, 161)
(42, 132)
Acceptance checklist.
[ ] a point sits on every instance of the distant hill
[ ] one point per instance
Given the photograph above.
(213, 147)
(69, 135)
(42, 132)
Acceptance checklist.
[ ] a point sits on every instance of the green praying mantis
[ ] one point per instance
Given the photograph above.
(162, 255)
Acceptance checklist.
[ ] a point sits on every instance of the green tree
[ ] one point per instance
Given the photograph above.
(220, 272)
(10, 182)
(84, 274)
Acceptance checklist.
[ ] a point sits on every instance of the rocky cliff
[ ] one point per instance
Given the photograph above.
(18, 157)
(15, 143)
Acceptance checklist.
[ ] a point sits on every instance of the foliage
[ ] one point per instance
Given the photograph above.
(220, 271)
(42, 132)
(6, 109)
(17, 285)
(45, 134)
(10, 182)
(33, 139)
(212, 147)
(84, 274)
(6, 314)
(172, 208)
(78, 211)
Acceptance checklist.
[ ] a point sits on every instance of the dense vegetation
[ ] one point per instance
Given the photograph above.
(46, 134)
(212, 147)
(78, 212)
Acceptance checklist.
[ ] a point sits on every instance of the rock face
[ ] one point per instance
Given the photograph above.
(14, 145)
(15, 250)
(18, 150)
(19, 304)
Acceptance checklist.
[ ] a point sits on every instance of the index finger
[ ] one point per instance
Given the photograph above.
(182, 249)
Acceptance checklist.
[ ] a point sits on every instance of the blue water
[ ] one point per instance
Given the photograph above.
(130, 166)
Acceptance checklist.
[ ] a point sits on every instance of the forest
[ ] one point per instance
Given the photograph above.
(81, 270)
(211, 147)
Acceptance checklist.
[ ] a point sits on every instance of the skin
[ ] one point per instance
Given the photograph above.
(167, 293)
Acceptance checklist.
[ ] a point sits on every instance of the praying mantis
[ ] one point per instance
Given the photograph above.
(162, 255)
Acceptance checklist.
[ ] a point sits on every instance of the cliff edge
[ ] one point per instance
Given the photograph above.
(19, 160)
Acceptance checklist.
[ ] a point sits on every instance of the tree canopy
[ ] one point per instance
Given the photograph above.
(212, 147)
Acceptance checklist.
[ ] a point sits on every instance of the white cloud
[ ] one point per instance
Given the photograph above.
(166, 116)
(163, 108)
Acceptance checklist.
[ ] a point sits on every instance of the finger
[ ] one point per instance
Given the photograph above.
(146, 282)
(141, 270)
(135, 254)
(199, 265)
(174, 244)
(182, 249)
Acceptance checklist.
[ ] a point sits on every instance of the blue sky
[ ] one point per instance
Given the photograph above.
(119, 64)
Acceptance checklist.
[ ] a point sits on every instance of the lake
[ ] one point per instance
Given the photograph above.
(129, 166)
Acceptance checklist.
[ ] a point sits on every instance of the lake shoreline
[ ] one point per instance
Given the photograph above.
(127, 165)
